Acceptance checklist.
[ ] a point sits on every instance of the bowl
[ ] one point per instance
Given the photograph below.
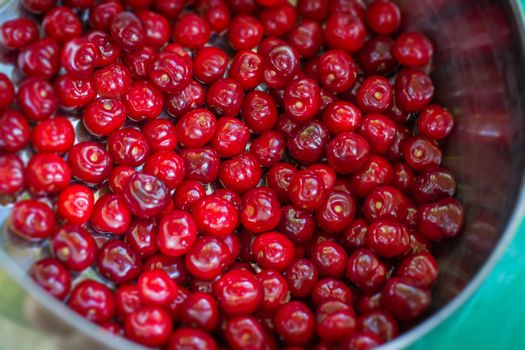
(480, 77)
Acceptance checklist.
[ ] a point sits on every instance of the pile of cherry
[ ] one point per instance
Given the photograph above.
(257, 174)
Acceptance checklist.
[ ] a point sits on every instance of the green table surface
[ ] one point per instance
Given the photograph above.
(491, 319)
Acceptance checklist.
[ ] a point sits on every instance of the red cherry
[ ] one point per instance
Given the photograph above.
(188, 193)
(190, 98)
(246, 68)
(295, 323)
(347, 153)
(244, 32)
(334, 320)
(273, 251)
(112, 80)
(32, 220)
(239, 292)
(225, 97)
(296, 224)
(345, 32)
(78, 57)
(405, 300)
(104, 116)
(74, 92)
(37, 99)
(439, 220)
(127, 31)
(101, 15)
(7, 92)
(156, 27)
(435, 122)
(39, 59)
(156, 288)
(108, 52)
(383, 17)
(337, 71)
(208, 257)
(74, 247)
(142, 237)
(260, 210)
(12, 168)
(93, 301)
(145, 195)
(278, 20)
(18, 33)
(269, 148)
(330, 259)
(167, 166)
(388, 238)
(413, 49)
(413, 90)
(111, 214)
(307, 190)
(329, 289)
(380, 323)
(200, 310)
(53, 135)
(177, 233)
(366, 271)
(117, 262)
(150, 326)
(361, 341)
(128, 146)
(171, 73)
(196, 128)
(47, 174)
(202, 164)
(161, 135)
(89, 162)
(376, 56)
(240, 173)
(308, 144)
(280, 65)
(421, 268)
(301, 276)
(215, 216)
(275, 290)
(210, 64)
(191, 31)
(51, 276)
(14, 131)
(143, 101)
(192, 339)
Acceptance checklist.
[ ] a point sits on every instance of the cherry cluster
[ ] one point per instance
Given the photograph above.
(240, 174)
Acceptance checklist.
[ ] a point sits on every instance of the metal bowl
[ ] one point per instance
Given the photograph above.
(479, 76)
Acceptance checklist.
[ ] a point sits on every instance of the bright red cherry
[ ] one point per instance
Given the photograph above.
(90, 162)
(200, 310)
(40, 59)
(112, 80)
(47, 173)
(111, 214)
(177, 233)
(210, 64)
(260, 210)
(280, 66)
(127, 31)
(366, 271)
(331, 289)
(307, 190)
(93, 301)
(191, 31)
(150, 326)
(245, 32)
(18, 33)
(171, 73)
(347, 152)
(435, 122)
(196, 128)
(273, 251)
(128, 146)
(334, 320)
(225, 97)
(15, 131)
(37, 99)
(167, 166)
(295, 323)
(32, 220)
(215, 216)
(388, 238)
(53, 135)
(191, 339)
(51, 276)
(202, 164)
(413, 49)
(259, 111)
(231, 137)
(117, 262)
(246, 68)
(337, 71)
(74, 247)
(12, 168)
(383, 17)
(208, 257)
(156, 288)
(78, 57)
(239, 292)
(302, 99)
(275, 289)
(330, 259)
(336, 212)
(240, 173)
(143, 101)
(413, 90)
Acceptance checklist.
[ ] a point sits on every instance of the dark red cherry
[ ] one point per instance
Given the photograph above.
(301, 277)
(156, 28)
(169, 8)
(240, 173)
(171, 73)
(435, 122)
(225, 97)
(239, 292)
(269, 148)
(7, 92)
(245, 32)
(127, 31)
(145, 195)
(174, 266)
(347, 152)
(376, 56)
(413, 90)
(297, 224)
(336, 212)
(101, 15)
(413, 49)
(273, 251)
(142, 237)
(439, 220)
(366, 271)
(309, 143)
(385, 202)
(190, 98)
(345, 32)
(421, 153)
(279, 177)
(337, 71)
(383, 17)
(200, 310)
(307, 190)
(210, 64)
(111, 214)
(112, 81)
(245, 332)
(208, 258)
(128, 146)
(377, 171)
(421, 268)
(295, 323)
(191, 31)
(93, 301)
(74, 247)
(259, 111)
(32, 220)
(280, 66)
(307, 38)
(302, 99)
(405, 300)
(330, 259)
(108, 51)
(329, 289)
(103, 116)
(202, 164)
(140, 62)
(196, 128)
(246, 68)
(388, 238)
(167, 166)
(334, 320)
(79, 57)
(316, 10)
(433, 185)
(380, 323)
(50, 275)
(191, 339)
(275, 289)
(361, 340)
(278, 20)
(90, 162)
(341, 117)
(117, 262)
(161, 135)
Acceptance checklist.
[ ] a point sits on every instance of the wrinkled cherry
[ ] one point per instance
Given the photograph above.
(145, 195)
(301, 277)
(117, 262)
(337, 71)
(47, 173)
(18, 33)
(202, 164)
(111, 214)
(405, 300)
(143, 101)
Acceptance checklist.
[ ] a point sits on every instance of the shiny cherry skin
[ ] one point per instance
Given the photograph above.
(139, 62)
(103, 116)
(377, 171)
(331, 289)
(413, 90)
(315, 10)
(279, 177)
(336, 212)
(307, 190)
(369, 302)
(128, 146)
(143, 101)
(308, 144)
(15, 131)
(366, 271)
(177, 233)
(413, 49)
(347, 152)
(112, 80)
(388, 238)
(380, 323)
(307, 38)
(245, 32)
(215, 216)
(200, 310)
(330, 259)
(342, 117)
(383, 17)
(337, 71)
(260, 210)
(93, 301)
(345, 32)
(89, 162)
(278, 20)
(351, 7)
(156, 28)
(297, 224)
(108, 51)
(156, 288)
(273, 250)
(167, 166)
(52, 277)
(435, 122)
(379, 131)
(433, 185)
(191, 339)
(161, 135)
(375, 95)
(269, 148)
(150, 326)
(74, 247)
(118, 177)
(439, 220)
(175, 307)
(202, 164)
(302, 99)
(32, 220)
(421, 153)
(37, 99)
(217, 15)
(210, 64)
(62, 24)
(18, 33)
(207, 259)
(385, 202)
(246, 68)
(171, 9)
(240, 173)
(7, 92)
(259, 111)
(117, 262)
(146, 196)
(53, 135)
(127, 31)
(191, 31)
(111, 214)
(78, 57)
(275, 289)
(173, 266)
(295, 323)
(127, 300)
(142, 237)
(40, 59)
(101, 15)
(74, 92)
(404, 177)
(245, 332)
(47, 173)
(196, 128)
(361, 340)
(405, 300)
(334, 320)
(188, 193)
(225, 97)
(301, 277)
(421, 268)
(231, 137)
(171, 73)
(229, 196)
(190, 98)
(376, 56)
(12, 168)
(239, 292)
(280, 65)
